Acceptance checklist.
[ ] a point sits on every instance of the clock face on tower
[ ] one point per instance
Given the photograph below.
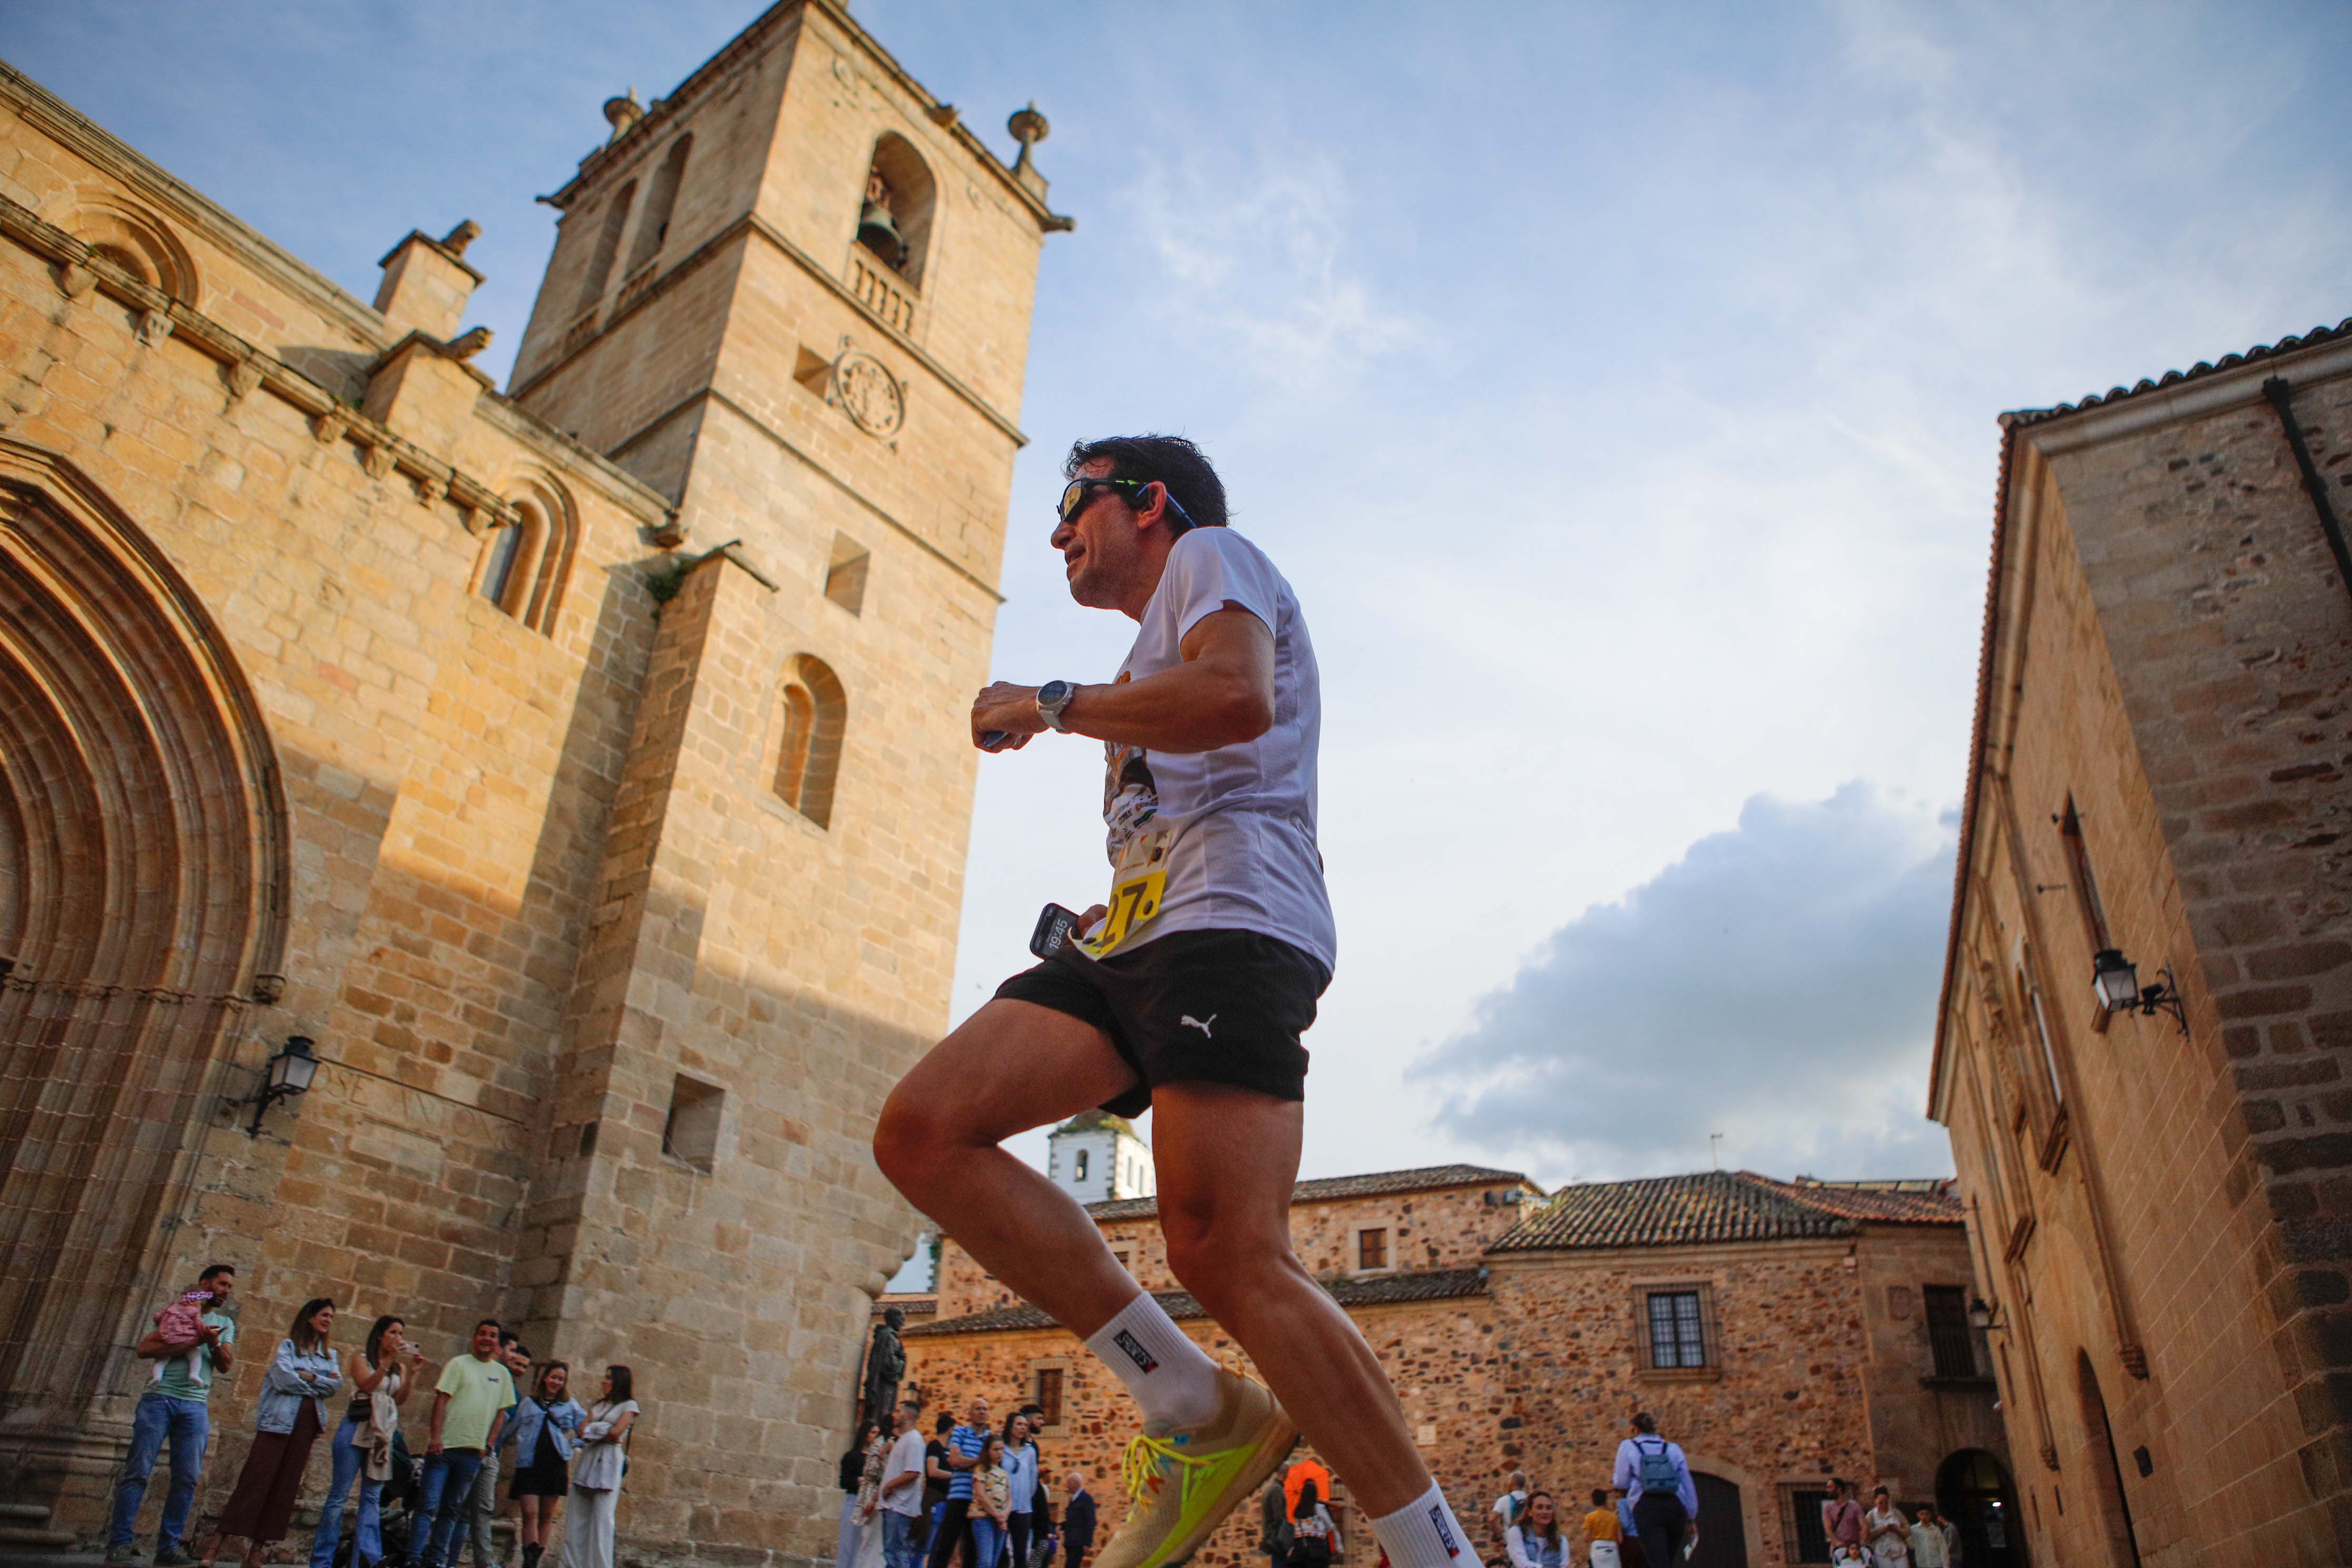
(870, 393)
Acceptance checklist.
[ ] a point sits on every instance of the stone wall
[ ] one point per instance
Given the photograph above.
(2167, 652)
(1540, 1369)
(521, 867)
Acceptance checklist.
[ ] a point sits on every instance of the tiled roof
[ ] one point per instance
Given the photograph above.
(1716, 1207)
(2310, 339)
(1380, 1290)
(1923, 1201)
(1326, 1189)
(915, 1304)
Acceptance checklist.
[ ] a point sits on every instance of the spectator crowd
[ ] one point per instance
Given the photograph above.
(414, 1509)
(971, 1495)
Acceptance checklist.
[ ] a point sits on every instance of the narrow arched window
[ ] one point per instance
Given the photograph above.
(812, 711)
(526, 564)
(499, 564)
(894, 221)
(608, 248)
(653, 225)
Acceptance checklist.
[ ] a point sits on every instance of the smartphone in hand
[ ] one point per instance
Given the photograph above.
(1057, 929)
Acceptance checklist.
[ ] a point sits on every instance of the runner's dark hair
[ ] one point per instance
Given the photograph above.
(1172, 460)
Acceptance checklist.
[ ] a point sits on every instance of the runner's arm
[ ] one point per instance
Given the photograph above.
(1221, 695)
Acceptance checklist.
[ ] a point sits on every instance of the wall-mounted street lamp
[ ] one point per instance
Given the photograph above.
(1982, 1318)
(2117, 980)
(289, 1073)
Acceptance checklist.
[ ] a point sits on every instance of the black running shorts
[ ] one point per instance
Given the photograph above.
(1192, 1006)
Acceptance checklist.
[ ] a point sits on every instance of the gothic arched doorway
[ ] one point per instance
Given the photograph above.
(1973, 1490)
(1722, 1524)
(143, 894)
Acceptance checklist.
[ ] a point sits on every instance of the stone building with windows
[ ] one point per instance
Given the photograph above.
(506, 760)
(2149, 990)
(1783, 1332)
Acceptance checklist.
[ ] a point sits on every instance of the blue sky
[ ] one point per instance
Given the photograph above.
(1615, 382)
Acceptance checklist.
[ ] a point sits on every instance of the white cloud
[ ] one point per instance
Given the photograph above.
(1776, 984)
(1257, 267)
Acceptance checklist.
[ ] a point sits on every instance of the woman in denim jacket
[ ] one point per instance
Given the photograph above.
(543, 1426)
(291, 1415)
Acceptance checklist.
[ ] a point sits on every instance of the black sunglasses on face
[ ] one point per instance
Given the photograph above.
(1076, 493)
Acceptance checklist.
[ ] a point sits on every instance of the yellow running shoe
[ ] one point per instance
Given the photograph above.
(1181, 1483)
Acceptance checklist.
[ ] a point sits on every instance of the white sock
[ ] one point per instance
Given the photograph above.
(1172, 1378)
(1423, 1534)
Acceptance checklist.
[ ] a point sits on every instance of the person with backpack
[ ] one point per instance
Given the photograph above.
(1656, 1481)
(193, 1339)
(1313, 1535)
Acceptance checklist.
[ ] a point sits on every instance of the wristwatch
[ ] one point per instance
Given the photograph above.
(1052, 697)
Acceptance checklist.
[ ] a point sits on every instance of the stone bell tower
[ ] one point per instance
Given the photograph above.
(792, 296)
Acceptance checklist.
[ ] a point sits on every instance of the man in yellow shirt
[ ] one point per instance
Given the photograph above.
(470, 1404)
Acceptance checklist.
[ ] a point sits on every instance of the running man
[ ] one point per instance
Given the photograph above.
(1202, 970)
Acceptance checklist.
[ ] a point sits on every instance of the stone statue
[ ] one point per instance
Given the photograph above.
(885, 1365)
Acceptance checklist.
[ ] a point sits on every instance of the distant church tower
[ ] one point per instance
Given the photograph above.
(1095, 1157)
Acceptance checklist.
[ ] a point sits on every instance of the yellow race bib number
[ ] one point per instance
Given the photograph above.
(1132, 902)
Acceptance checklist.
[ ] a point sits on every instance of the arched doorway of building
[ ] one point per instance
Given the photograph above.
(1973, 1490)
(143, 890)
(1722, 1524)
(2106, 1475)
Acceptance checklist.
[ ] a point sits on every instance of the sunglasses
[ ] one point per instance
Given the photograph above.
(1075, 494)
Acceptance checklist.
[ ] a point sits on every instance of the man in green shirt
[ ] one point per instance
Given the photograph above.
(174, 1409)
(470, 1404)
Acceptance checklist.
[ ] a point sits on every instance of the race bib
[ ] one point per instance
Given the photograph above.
(1137, 882)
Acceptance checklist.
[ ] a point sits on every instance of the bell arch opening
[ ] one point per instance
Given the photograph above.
(895, 221)
(142, 827)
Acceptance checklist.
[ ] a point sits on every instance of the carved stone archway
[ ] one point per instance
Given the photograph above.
(144, 863)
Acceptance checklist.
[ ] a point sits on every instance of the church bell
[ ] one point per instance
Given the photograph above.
(878, 234)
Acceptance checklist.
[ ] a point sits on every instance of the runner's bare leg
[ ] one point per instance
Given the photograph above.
(1227, 1160)
(1010, 1066)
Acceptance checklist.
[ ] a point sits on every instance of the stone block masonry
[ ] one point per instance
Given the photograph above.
(2160, 771)
(342, 696)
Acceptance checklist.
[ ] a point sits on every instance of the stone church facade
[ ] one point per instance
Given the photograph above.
(2162, 1194)
(1782, 1332)
(579, 771)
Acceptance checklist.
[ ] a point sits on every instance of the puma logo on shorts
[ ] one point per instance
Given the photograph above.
(1189, 1022)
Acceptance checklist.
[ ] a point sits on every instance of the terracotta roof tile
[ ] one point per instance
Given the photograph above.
(2310, 339)
(1326, 1189)
(1719, 1207)
(1379, 1290)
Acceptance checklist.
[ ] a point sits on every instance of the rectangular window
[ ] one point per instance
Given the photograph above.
(1081, 1165)
(2086, 886)
(1949, 1334)
(691, 1133)
(2032, 994)
(1808, 1542)
(1049, 1394)
(1677, 1343)
(1119, 1253)
(1372, 1248)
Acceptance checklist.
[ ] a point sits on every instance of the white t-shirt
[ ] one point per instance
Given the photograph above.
(906, 1454)
(1236, 825)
